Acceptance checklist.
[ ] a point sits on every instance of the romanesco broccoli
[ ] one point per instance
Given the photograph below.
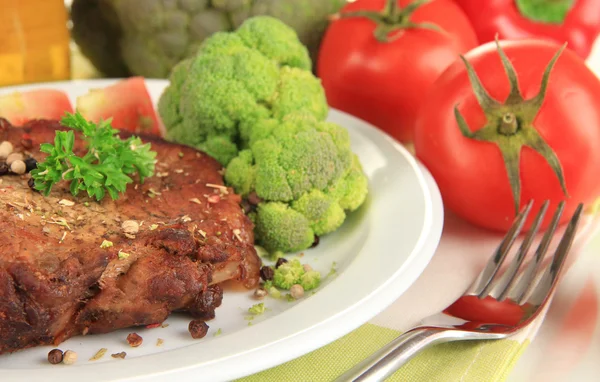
(148, 37)
(249, 100)
(292, 272)
(306, 175)
(237, 79)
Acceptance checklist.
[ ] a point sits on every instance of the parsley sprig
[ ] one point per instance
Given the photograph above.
(104, 168)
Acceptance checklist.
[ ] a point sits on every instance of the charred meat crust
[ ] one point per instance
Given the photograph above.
(56, 278)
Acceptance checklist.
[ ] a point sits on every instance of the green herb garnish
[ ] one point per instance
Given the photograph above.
(104, 168)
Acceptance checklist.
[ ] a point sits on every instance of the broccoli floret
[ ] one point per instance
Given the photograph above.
(234, 82)
(292, 272)
(257, 309)
(307, 167)
(324, 213)
(310, 280)
(279, 227)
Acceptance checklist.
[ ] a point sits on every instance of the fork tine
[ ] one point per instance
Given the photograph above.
(539, 291)
(480, 285)
(505, 283)
(526, 277)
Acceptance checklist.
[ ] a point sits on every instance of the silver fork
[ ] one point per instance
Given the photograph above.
(529, 288)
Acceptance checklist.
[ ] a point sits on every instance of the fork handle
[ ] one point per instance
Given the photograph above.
(399, 351)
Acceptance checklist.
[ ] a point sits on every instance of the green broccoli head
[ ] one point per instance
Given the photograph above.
(306, 175)
(236, 80)
(293, 272)
(279, 227)
(148, 37)
(297, 155)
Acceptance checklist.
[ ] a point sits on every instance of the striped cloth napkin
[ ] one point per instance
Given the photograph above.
(462, 253)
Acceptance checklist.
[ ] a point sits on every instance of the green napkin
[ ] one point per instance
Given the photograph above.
(467, 361)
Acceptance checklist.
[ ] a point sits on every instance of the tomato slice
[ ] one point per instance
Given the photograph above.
(20, 107)
(127, 102)
(488, 310)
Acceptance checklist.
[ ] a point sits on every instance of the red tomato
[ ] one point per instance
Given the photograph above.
(127, 102)
(487, 310)
(472, 174)
(384, 83)
(579, 28)
(21, 107)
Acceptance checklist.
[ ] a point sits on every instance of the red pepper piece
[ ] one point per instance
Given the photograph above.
(508, 19)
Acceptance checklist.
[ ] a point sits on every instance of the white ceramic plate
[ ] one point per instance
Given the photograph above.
(380, 251)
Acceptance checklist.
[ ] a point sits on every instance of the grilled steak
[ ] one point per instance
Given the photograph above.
(57, 280)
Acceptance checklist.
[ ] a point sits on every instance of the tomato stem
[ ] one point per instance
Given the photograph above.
(392, 20)
(509, 125)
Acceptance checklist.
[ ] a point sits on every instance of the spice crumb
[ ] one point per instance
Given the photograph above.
(66, 202)
(134, 340)
(120, 355)
(106, 244)
(99, 354)
(236, 233)
(160, 342)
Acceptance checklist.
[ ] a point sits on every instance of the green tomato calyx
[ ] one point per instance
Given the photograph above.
(392, 20)
(510, 124)
(545, 11)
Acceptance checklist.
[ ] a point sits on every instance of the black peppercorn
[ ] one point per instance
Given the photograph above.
(316, 242)
(31, 184)
(30, 164)
(266, 273)
(4, 168)
(198, 329)
(280, 261)
(55, 356)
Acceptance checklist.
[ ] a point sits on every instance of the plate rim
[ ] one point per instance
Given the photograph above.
(432, 229)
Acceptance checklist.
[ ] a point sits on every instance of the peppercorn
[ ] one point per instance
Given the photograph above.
(55, 356)
(260, 293)
(315, 242)
(297, 291)
(14, 157)
(266, 273)
(30, 164)
(18, 167)
(69, 357)
(198, 329)
(134, 340)
(3, 168)
(31, 184)
(280, 261)
(6, 148)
